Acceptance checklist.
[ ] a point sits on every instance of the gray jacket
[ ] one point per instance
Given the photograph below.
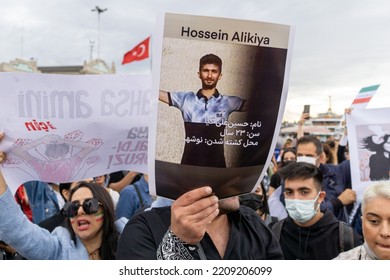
(357, 253)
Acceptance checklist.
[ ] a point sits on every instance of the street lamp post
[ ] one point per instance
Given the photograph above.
(91, 45)
(99, 11)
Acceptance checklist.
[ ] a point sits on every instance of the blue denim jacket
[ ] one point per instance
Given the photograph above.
(129, 201)
(43, 200)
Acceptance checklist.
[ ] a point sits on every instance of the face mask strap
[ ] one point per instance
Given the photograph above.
(318, 204)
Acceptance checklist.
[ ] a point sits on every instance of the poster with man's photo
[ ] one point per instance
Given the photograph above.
(369, 147)
(222, 86)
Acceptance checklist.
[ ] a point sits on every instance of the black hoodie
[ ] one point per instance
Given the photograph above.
(321, 241)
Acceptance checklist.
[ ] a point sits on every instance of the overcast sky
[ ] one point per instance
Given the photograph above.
(340, 46)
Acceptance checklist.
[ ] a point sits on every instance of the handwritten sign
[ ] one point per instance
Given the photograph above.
(63, 128)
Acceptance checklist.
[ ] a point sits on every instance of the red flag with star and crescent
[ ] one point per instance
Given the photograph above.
(139, 52)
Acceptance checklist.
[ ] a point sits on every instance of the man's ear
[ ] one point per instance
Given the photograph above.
(322, 197)
(322, 158)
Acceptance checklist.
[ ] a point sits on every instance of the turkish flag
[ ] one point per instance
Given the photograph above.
(139, 52)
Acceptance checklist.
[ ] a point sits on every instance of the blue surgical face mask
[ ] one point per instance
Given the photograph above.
(301, 210)
(311, 160)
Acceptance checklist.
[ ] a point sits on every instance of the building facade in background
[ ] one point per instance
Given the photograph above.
(96, 66)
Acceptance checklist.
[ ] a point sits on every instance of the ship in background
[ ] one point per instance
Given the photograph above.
(325, 126)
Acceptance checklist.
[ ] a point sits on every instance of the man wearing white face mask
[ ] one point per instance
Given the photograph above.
(309, 233)
(336, 178)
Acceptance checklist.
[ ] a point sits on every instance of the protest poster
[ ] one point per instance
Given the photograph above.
(63, 128)
(225, 138)
(369, 147)
(364, 96)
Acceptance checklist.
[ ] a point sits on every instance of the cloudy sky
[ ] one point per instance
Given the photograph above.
(340, 46)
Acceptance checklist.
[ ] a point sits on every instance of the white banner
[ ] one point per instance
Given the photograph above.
(63, 128)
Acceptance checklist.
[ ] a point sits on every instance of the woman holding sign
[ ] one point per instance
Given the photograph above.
(90, 231)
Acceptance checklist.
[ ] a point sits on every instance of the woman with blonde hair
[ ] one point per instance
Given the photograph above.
(376, 225)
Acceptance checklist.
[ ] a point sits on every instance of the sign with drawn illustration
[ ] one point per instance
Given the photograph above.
(63, 128)
(222, 86)
(369, 146)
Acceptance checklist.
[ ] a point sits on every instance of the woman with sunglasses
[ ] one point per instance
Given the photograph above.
(90, 232)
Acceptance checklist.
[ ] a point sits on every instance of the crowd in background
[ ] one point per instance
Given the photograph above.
(303, 209)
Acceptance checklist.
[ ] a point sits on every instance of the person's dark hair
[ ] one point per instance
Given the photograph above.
(329, 153)
(64, 186)
(110, 235)
(210, 59)
(302, 170)
(265, 199)
(331, 143)
(311, 139)
(371, 146)
(288, 150)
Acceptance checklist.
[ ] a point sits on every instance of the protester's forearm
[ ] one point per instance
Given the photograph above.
(3, 185)
(127, 180)
(163, 96)
(300, 131)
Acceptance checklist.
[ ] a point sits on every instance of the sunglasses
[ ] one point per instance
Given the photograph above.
(90, 206)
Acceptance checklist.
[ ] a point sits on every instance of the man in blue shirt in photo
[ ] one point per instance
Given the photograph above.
(205, 114)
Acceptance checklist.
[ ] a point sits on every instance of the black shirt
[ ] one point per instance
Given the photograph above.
(249, 238)
(52, 222)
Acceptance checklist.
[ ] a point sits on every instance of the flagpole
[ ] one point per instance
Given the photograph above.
(151, 54)
(99, 11)
(21, 41)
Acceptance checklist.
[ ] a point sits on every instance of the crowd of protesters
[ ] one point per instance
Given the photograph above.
(301, 210)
